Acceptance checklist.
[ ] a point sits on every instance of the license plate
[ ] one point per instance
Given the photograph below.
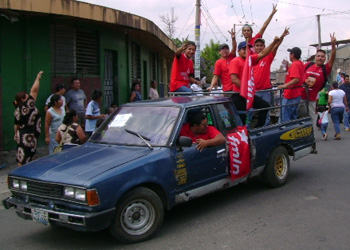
(40, 216)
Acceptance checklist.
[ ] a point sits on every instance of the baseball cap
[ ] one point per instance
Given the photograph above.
(296, 51)
(224, 45)
(243, 44)
(259, 40)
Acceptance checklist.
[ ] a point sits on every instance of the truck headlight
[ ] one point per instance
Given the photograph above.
(15, 183)
(69, 192)
(80, 194)
(23, 185)
(75, 193)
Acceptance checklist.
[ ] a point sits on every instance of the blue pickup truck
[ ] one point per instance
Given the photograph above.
(135, 167)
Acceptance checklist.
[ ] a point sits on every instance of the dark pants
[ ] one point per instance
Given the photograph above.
(258, 103)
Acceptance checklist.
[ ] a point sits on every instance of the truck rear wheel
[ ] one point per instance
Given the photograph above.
(276, 171)
(138, 216)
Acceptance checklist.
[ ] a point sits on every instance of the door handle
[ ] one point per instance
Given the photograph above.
(221, 151)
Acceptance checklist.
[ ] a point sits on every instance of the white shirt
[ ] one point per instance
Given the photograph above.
(337, 98)
(153, 93)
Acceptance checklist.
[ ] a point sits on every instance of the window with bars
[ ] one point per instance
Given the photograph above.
(74, 50)
(153, 67)
(135, 61)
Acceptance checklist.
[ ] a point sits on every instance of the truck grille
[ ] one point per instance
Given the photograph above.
(45, 189)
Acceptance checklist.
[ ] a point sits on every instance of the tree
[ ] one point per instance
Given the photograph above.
(169, 22)
(210, 54)
(179, 42)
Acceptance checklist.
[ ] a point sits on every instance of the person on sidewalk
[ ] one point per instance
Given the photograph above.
(346, 88)
(337, 102)
(27, 123)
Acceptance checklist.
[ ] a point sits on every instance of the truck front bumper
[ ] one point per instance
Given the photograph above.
(80, 221)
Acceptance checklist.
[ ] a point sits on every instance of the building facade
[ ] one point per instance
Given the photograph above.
(106, 49)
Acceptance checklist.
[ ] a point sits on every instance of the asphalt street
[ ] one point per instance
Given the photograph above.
(310, 212)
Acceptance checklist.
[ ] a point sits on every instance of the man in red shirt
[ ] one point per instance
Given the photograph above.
(292, 86)
(236, 71)
(247, 30)
(262, 71)
(221, 65)
(198, 130)
(314, 79)
(182, 72)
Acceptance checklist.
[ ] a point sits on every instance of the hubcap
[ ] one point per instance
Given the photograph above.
(281, 167)
(137, 217)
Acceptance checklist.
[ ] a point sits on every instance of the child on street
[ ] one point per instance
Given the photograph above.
(323, 121)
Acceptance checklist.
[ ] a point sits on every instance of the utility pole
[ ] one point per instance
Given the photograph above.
(319, 31)
(197, 33)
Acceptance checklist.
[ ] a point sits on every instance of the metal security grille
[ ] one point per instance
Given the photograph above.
(87, 52)
(153, 67)
(74, 50)
(135, 61)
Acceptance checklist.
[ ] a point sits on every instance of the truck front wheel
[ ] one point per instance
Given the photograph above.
(138, 216)
(277, 169)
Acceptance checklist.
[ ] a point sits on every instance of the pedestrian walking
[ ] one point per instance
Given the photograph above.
(323, 121)
(337, 102)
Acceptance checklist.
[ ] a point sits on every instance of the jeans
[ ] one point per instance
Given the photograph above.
(289, 112)
(266, 96)
(346, 118)
(324, 127)
(184, 89)
(336, 114)
(258, 103)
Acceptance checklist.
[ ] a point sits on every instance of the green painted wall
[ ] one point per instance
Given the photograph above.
(23, 53)
(26, 49)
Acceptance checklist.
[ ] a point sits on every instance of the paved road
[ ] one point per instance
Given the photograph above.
(310, 212)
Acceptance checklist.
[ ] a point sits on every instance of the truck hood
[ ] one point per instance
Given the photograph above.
(80, 164)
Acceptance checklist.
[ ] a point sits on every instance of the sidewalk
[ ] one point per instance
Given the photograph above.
(8, 163)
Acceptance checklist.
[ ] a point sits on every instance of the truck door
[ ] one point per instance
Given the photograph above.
(202, 167)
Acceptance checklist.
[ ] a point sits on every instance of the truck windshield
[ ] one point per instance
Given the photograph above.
(154, 123)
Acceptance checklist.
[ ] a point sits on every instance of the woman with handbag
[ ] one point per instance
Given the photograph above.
(70, 133)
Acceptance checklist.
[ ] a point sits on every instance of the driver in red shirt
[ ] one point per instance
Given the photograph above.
(198, 130)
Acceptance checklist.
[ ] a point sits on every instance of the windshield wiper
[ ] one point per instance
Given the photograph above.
(144, 138)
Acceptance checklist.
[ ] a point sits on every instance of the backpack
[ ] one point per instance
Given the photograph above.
(323, 70)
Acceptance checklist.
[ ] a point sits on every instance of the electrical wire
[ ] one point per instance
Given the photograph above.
(234, 10)
(180, 34)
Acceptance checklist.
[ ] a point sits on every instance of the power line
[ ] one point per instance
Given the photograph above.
(186, 22)
(243, 17)
(306, 6)
(251, 12)
(234, 10)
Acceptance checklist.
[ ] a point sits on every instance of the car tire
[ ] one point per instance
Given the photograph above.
(276, 171)
(139, 215)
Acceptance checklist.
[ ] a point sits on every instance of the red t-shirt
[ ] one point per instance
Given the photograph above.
(262, 73)
(316, 72)
(237, 66)
(221, 69)
(212, 132)
(181, 69)
(296, 70)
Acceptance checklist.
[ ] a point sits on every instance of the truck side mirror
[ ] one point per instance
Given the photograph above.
(185, 141)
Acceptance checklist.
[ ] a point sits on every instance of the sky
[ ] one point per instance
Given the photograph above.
(219, 16)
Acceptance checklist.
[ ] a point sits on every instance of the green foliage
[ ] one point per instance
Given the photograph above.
(209, 55)
(179, 42)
